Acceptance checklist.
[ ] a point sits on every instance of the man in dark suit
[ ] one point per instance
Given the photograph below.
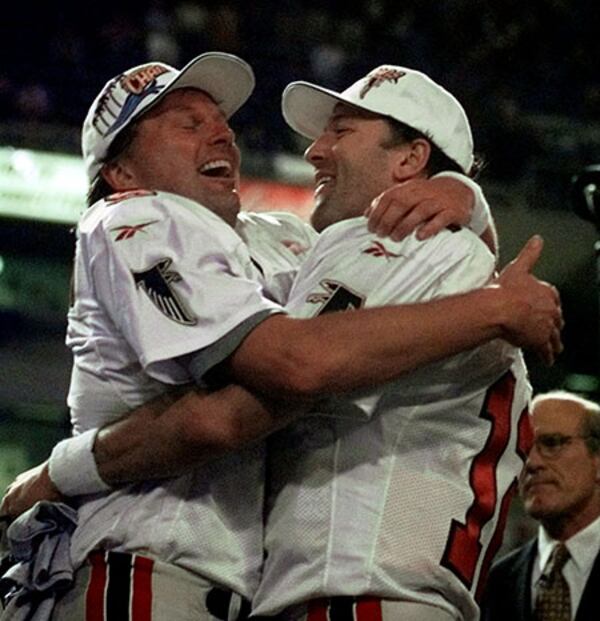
(555, 577)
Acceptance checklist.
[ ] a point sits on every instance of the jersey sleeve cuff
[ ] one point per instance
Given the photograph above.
(72, 466)
(481, 218)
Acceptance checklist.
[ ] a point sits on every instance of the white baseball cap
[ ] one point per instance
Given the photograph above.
(226, 78)
(403, 94)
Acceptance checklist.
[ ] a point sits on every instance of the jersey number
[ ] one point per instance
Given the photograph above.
(464, 546)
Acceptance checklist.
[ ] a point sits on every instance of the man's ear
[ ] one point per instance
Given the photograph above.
(118, 175)
(412, 158)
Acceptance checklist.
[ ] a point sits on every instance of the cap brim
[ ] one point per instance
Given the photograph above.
(226, 78)
(307, 107)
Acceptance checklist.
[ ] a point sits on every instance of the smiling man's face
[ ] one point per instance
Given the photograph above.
(352, 165)
(184, 145)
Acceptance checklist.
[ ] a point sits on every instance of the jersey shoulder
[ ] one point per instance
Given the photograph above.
(126, 215)
(353, 236)
(276, 225)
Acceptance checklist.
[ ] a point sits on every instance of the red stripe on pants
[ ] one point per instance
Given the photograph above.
(317, 610)
(141, 599)
(368, 609)
(94, 598)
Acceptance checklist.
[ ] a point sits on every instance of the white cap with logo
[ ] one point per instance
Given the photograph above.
(226, 78)
(403, 94)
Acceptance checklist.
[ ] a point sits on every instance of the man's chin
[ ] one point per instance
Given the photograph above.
(539, 508)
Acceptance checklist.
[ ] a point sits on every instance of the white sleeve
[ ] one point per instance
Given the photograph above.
(481, 218)
(174, 278)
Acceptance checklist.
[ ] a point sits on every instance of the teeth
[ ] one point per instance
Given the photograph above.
(323, 180)
(216, 164)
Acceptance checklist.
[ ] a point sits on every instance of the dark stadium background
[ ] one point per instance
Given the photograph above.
(527, 74)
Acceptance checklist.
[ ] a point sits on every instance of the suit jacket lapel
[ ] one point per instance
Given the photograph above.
(588, 607)
(525, 569)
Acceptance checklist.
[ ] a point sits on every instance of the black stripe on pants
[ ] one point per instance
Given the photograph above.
(118, 590)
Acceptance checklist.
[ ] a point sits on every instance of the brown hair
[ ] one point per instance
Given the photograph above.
(99, 187)
(400, 134)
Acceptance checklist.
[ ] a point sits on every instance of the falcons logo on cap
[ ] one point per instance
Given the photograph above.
(378, 77)
(156, 283)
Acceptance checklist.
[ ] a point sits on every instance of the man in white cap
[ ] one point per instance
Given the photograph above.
(166, 291)
(396, 517)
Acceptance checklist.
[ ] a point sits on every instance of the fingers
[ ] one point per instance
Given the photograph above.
(551, 349)
(434, 225)
(424, 205)
(390, 218)
(414, 219)
(383, 213)
(528, 256)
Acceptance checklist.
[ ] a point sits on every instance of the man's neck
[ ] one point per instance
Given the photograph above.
(564, 527)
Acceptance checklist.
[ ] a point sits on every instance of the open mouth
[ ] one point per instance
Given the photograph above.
(218, 169)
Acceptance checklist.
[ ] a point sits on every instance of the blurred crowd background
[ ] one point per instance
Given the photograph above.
(505, 60)
(526, 72)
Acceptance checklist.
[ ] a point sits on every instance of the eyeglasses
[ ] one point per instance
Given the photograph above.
(549, 445)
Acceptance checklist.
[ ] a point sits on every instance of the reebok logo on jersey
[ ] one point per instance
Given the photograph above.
(123, 196)
(127, 231)
(337, 297)
(156, 283)
(377, 249)
(378, 77)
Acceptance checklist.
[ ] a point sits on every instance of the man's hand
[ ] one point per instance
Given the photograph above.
(27, 489)
(534, 316)
(427, 205)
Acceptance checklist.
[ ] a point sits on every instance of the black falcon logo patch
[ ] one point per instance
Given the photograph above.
(156, 282)
(337, 298)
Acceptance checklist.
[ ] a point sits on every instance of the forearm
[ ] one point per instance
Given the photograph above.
(195, 429)
(160, 439)
(340, 352)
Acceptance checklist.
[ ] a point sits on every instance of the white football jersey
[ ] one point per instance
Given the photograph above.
(409, 505)
(278, 243)
(158, 277)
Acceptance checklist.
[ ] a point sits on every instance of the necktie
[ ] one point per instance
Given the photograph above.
(553, 602)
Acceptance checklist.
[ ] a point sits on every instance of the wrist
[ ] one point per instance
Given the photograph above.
(495, 310)
(481, 216)
(72, 467)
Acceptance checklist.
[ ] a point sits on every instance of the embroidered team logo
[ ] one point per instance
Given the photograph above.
(118, 197)
(378, 77)
(156, 283)
(127, 231)
(336, 297)
(111, 113)
(377, 249)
